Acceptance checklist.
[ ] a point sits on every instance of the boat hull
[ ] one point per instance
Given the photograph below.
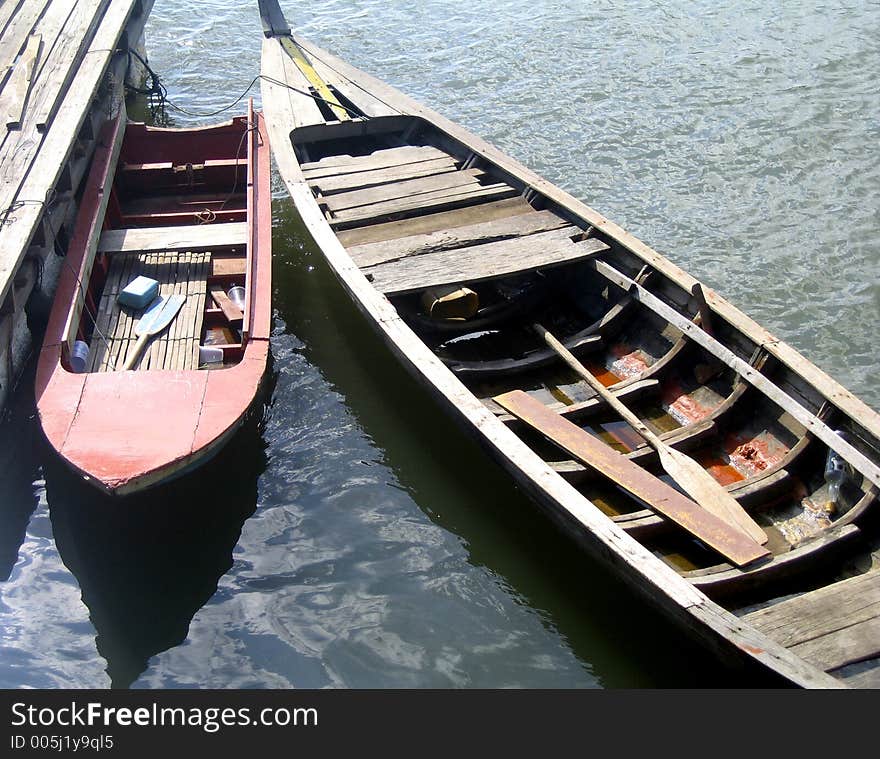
(124, 431)
(351, 210)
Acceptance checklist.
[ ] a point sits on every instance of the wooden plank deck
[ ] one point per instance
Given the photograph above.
(54, 98)
(434, 222)
(831, 627)
(494, 230)
(359, 180)
(379, 159)
(480, 262)
(177, 347)
(396, 189)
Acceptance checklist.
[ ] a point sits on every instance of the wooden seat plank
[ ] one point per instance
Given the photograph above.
(378, 159)
(199, 237)
(820, 612)
(406, 188)
(483, 261)
(713, 531)
(234, 315)
(441, 200)
(858, 642)
(493, 230)
(433, 222)
(362, 179)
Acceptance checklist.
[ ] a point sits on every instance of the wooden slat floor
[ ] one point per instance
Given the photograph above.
(833, 627)
(176, 348)
(412, 217)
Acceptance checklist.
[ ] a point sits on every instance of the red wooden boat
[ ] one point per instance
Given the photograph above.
(188, 210)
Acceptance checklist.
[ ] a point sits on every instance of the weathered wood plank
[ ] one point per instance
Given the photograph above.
(7, 10)
(234, 315)
(58, 142)
(434, 222)
(357, 180)
(730, 542)
(199, 237)
(820, 612)
(69, 52)
(16, 33)
(385, 158)
(371, 254)
(482, 261)
(534, 360)
(222, 264)
(105, 320)
(15, 94)
(198, 294)
(852, 644)
(407, 188)
(428, 202)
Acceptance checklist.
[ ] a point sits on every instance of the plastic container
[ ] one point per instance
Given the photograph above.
(236, 295)
(79, 356)
(139, 292)
(209, 355)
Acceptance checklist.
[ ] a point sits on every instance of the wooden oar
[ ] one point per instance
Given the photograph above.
(156, 318)
(693, 479)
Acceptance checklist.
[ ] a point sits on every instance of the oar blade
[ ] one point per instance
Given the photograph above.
(159, 315)
(707, 491)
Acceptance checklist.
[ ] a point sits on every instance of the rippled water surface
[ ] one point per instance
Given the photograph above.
(350, 536)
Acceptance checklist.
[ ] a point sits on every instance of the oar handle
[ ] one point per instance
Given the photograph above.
(136, 352)
(629, 417)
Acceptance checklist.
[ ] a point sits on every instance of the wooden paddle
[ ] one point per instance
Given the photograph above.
(156, 318)
(692, 478)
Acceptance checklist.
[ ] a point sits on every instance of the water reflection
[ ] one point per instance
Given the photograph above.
(147, 563)
(21, 446)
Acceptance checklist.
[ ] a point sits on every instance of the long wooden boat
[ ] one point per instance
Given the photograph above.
(188, 210)
(509, 299)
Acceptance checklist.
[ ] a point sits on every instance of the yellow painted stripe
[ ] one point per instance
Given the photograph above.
(305, 65)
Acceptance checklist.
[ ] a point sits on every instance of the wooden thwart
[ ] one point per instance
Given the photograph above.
(379, 159)
(405, 188)
(362, 179)
(483, 261)
(429, 202)
(202, 237)
(832, 626)
(434, 222)
(714, 532)
(494, 230)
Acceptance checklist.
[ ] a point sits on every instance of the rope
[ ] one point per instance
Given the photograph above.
(157, 94)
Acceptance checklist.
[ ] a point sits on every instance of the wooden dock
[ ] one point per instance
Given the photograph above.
(63, 65)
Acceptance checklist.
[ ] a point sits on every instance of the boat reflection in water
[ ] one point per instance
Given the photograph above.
(148, 562)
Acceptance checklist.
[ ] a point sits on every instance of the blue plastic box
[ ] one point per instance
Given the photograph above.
(139, 292)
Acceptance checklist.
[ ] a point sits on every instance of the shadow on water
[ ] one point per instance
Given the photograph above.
(21, 451)
(146, 563)
(622, 640)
